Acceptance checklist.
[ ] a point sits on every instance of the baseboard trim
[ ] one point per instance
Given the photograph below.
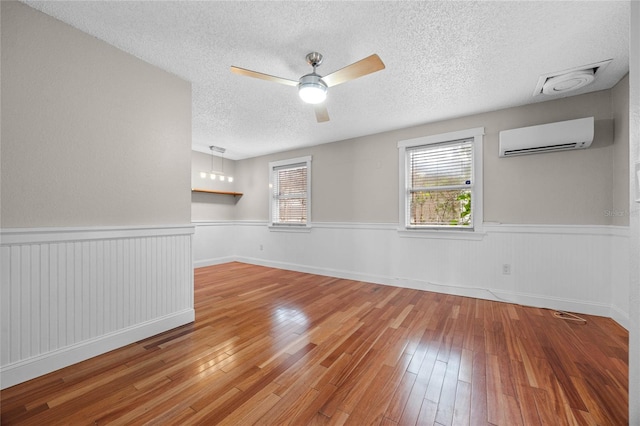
(335, 273)
(214, 261)
(457, 290)
(554, 303)
(13, 374)
(620, 317)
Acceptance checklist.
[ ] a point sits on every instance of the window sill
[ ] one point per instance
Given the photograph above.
(290, 228)
(446, 234)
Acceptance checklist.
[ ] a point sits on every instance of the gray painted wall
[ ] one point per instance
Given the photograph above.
(620, 193)
(90, 135)
(357, 180)
(211, 207)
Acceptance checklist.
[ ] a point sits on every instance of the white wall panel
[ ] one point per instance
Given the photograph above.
(559, 267)
(213, 243)
(64, 288)
(620, 258)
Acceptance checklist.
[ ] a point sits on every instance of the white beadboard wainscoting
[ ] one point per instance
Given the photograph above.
(214, 243)
(71, 294)
(574, 268)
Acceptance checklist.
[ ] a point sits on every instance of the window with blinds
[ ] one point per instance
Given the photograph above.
(290, 192)
(440, 184)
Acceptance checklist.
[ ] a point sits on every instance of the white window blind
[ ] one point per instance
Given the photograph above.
(440, 184)
(290, 192)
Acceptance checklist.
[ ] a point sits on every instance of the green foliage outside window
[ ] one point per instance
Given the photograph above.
(448, 207)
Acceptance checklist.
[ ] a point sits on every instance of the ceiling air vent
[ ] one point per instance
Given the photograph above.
(558, 83)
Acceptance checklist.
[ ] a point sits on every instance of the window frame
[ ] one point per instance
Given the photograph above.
(273, 199)
(477, 136)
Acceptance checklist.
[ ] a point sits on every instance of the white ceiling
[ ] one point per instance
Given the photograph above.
(443, 59)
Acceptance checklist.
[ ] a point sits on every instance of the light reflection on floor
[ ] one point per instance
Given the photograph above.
(283, 315)
(293, 318)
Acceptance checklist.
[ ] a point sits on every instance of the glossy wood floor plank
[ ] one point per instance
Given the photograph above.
(279, 347)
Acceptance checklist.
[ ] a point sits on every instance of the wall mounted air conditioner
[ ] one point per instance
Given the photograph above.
(561, 136)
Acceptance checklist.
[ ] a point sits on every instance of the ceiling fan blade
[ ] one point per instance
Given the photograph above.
(255, 74)
(322, 114)
(358, 69)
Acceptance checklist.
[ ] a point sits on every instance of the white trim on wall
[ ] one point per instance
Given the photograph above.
(69, 294)
(289, 163)
(552, 266)
(612, 230)
(43, 364)
(477, 206)
(44, 235)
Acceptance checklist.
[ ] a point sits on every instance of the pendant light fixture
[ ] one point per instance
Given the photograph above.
(214, 174)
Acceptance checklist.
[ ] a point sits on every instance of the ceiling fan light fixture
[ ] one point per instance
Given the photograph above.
(312, 89)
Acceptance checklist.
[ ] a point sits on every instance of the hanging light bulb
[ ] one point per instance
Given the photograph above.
(312, 89)
(215, 174)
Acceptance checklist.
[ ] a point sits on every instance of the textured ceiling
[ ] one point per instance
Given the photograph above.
(443, 59)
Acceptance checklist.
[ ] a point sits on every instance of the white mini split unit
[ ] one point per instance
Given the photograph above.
(561, 136)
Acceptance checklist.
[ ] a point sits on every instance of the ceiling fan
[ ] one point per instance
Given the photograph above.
(312, 87)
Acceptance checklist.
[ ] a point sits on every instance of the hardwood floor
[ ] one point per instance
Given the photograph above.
(277, 347)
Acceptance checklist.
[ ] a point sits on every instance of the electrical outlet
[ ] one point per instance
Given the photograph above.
(260, 247)
(506, 269)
